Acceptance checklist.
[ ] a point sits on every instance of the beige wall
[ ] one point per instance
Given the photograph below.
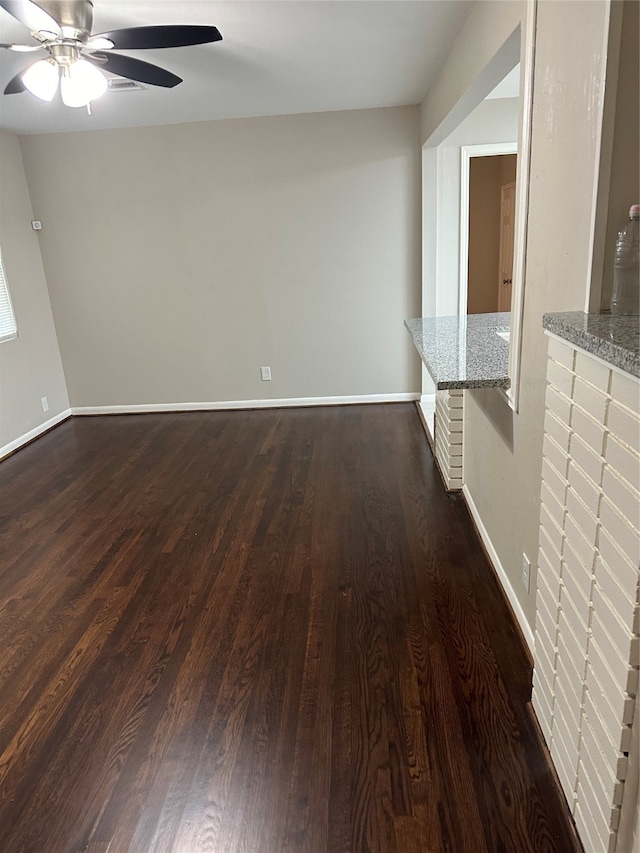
(503, 450)
(30, 365)
(486, 178)
(187, 256)
(463, 81)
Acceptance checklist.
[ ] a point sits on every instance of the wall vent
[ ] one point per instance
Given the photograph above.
(123, 84)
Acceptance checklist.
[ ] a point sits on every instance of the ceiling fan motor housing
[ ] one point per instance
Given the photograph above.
(65, 54)
(74, 16)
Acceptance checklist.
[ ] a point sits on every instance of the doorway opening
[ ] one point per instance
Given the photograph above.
(487, 221)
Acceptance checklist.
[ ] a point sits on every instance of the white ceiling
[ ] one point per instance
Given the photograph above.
(277, 57)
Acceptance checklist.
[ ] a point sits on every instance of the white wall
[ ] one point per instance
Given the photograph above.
(30, 365)
(182, 258)
(503, 450)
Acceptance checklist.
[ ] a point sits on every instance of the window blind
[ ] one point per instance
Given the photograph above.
(8, 328)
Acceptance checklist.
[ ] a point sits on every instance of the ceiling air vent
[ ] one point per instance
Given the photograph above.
(122, 84)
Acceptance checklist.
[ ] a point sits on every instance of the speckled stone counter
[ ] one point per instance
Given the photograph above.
(615, 340)
(464, 351)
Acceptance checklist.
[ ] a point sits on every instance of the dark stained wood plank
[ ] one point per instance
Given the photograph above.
(258, 632)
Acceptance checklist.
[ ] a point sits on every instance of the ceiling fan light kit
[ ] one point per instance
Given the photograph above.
(80, 81)
(77, 58)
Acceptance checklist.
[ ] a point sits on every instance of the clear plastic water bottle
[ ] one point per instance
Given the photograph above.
(626, 267)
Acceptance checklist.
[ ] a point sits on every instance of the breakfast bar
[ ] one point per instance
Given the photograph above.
(459, 352)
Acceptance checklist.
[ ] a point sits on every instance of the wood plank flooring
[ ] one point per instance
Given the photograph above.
(257, 632)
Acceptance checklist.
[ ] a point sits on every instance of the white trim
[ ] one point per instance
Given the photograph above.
(428, 399)
(525, 627)
(492, 149)
(276, 403)
(17, 443)
(523, 175)
(427, 411)
(431, 193)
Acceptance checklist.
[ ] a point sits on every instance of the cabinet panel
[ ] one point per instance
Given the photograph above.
(586, 670)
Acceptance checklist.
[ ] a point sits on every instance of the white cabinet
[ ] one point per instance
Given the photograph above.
(587, 648)
(449, 419)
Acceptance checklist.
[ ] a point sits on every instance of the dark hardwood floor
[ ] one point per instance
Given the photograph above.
(257, 632)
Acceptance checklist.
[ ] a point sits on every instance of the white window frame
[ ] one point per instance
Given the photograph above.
(8, 325)
(523, 174)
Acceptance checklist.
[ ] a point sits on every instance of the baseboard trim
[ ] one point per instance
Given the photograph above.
(276, 403)
(425, 425)
(34, 433)
(492, 554)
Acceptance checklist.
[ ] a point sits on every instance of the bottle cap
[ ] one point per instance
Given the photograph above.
(634, 211)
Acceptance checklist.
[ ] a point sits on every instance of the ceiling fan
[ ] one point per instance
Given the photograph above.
(77, 58)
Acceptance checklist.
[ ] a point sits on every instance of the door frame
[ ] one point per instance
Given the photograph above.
(510, 185)
(491, 149)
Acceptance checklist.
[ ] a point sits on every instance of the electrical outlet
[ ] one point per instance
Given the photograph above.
(265, 374)
(526, 572)
(45, 404)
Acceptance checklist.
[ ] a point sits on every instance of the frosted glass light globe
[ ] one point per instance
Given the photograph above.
(41, 79)
(81, 83)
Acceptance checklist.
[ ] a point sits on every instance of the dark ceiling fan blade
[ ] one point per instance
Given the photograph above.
(139, 38)
(15, 85)
(31, 15)
(134, 69)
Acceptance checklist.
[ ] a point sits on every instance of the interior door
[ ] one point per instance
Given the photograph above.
(507, 231)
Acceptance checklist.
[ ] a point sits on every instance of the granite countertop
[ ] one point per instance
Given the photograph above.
(615, 340)
(464, 351)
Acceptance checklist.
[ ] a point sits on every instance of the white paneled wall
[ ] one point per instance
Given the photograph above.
(587, 650)
(448, 438)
